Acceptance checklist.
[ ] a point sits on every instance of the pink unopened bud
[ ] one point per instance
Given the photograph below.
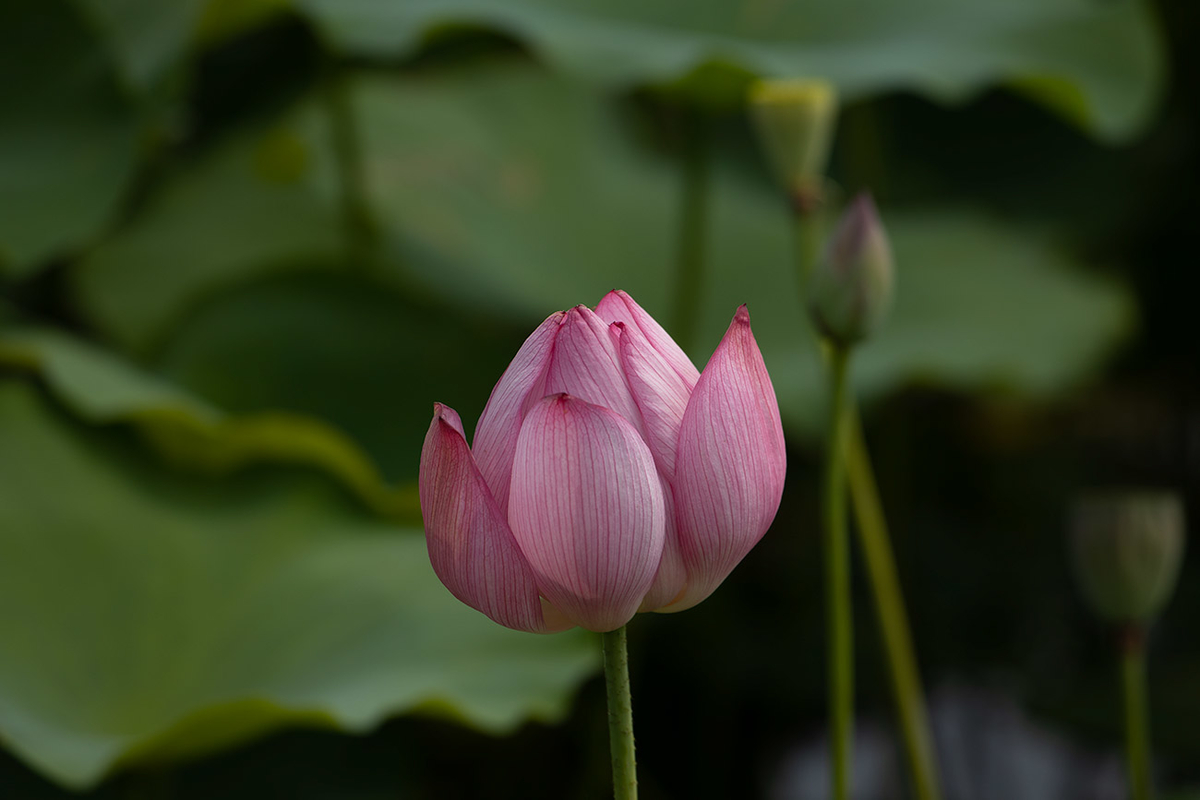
(850, 290)
(607, 477)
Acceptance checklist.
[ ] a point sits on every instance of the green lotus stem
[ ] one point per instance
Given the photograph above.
(840, 620)
(620, 715)
(693, 226)
(893, 620)
(1137, 727)
(894, 630)
(347, 151)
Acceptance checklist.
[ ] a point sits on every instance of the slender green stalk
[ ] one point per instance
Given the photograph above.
(620, 715)
(837, 581)
(1137, 727)
(345, 135)
(809, 230)
(693, 226)
(893, 619)
(873, 536)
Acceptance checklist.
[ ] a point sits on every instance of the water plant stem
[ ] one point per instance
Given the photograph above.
(345, 137)
(840, 621)
(693, 228)
(893, 619)
(873, 536)
(1137, 728)
(620, 715)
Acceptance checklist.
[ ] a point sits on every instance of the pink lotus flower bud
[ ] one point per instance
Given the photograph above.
(850, 290)
(607, 476)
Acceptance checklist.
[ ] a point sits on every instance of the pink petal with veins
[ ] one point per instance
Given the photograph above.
(521, 385)
(587, 510)
(470, 545)
(585, 365)
(731, 462)
(617, 306)
(660, 394)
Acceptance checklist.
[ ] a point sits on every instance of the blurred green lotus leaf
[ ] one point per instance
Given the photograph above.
(328, 368)
(262, 202)
(68, 138)
(225, 18)
(538, 202)
(1100, 64)
(511, 191)
(145, 37)
(192, 432)
(344, 349)
(150, 616)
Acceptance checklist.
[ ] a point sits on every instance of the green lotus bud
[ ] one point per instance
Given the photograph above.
(850, 290)
(1127, 549)
(794, 119)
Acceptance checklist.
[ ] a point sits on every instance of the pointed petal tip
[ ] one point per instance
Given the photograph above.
(616, 304)
(863, 211)
(447, 416)
(865, 200)
(742, 314)
(575, 315)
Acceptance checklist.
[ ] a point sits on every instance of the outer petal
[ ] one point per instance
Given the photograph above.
(470, 545)
(585, 365)
(521, 385)
(731, 462)
(617, 306)
(587, 510)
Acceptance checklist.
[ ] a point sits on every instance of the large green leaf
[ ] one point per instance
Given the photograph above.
(344, 349)
(191, 431)
(516, 192)
(525, 187)
(146, 37)
(146, 616)
(263, 202)
(67, 138)
(328, 368)
(1097, 63)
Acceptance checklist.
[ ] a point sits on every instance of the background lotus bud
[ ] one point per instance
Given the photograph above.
(607, 476)
(850, 290)
(795, 119)
(1127, 549)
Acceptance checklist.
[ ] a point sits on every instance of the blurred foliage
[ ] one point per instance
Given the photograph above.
(475, 181)
(1098, 64)
(148, 617)
(68, 137)
(245, 245)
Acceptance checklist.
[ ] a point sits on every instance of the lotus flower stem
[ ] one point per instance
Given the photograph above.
(345, 135)
(693, 225)
(620, 715)
(893, 620)
(1137, 728)
(837, 581)
(871, 524)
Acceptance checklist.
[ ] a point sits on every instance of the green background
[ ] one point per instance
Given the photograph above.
(244, 246)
